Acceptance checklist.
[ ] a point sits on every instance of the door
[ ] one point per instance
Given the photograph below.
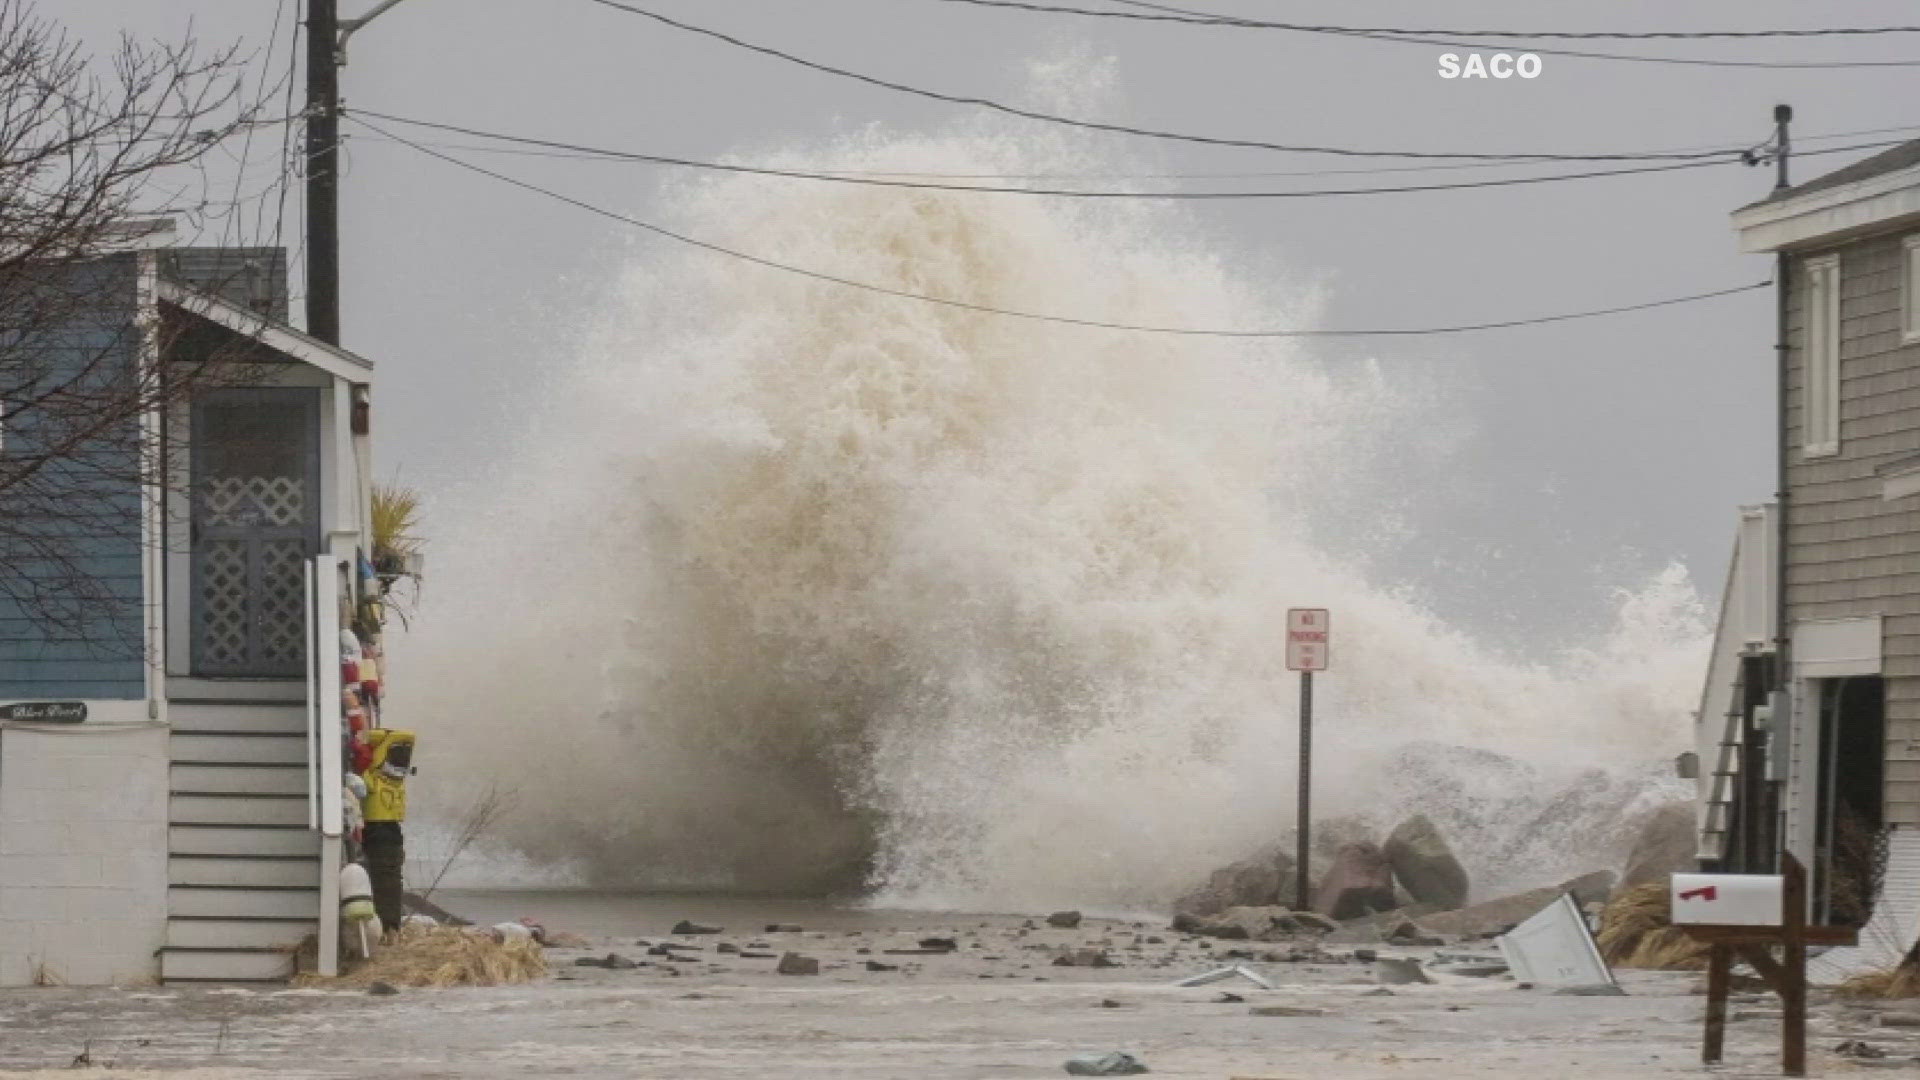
(1853, 735)
(256, 519)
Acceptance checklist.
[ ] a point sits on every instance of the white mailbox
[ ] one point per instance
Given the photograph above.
(1728, 899)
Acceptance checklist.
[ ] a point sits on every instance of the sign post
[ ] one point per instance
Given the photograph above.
(1306, 653)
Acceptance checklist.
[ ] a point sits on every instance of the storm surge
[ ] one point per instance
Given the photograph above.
(794, 587)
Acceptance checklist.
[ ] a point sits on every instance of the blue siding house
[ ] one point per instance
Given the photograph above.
(170, 602)
(71, 601)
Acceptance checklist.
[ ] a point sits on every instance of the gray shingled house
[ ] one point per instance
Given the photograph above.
(1810, 723)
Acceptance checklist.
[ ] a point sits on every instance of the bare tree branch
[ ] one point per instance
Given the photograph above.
(88, 145)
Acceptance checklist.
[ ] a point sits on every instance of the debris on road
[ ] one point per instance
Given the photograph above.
(795, 964)
(1111, 1063)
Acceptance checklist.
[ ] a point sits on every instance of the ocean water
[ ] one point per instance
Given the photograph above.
(787, 587)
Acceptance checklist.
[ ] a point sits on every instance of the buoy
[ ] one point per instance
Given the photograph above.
(356, 893)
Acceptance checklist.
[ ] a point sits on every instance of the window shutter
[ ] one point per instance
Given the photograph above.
(1820, 388)
(1910, 289)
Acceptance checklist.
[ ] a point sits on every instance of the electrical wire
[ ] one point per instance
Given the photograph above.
(1035, 316)
(1072, 193)
(288, 166)
(1182, 15)
(593, 154)
(1404, 38)
(1124, 129)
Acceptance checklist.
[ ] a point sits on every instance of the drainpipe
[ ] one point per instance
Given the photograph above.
(1782, 638)
(1782, 116)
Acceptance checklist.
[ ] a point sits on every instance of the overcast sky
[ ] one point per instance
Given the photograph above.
(1596, 447)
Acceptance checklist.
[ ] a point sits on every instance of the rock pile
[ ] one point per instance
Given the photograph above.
(1261, 880)
(1254, 897)
(1369, 891)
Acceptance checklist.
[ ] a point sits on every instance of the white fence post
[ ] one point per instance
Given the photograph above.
(325, 772)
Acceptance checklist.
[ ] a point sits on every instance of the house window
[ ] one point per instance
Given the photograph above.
(1910, 289)
(1820, 383)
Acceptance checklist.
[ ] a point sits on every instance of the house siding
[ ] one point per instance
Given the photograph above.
(85, 569)
(1850, 552)
(252, 278)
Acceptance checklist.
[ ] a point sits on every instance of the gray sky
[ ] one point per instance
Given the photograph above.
(1596, 447)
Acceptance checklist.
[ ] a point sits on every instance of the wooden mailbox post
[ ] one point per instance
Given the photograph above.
(1710, 894)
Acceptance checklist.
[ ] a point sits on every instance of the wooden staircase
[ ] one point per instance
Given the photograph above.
(243, 866)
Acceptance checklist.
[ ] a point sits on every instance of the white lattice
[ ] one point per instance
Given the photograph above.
(253, 500)
(223, 602)
(280, 608)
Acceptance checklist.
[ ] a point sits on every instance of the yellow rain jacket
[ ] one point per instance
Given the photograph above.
(387, 776)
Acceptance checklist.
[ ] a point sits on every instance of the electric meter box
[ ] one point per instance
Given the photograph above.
(1728, 899)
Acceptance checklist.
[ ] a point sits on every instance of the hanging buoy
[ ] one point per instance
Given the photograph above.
(356, 894)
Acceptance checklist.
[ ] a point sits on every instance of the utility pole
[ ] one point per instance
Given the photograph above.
(323, 171)
(327, 35)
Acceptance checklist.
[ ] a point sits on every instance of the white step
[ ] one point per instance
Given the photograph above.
(208, 933)
(238, 779)
(201, 747)
(279, 903)
(242, 870)
(289, 718)
(228, 840)
(202, 809)
(225, 965)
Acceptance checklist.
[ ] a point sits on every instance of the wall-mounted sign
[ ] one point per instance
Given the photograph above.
(45, 712)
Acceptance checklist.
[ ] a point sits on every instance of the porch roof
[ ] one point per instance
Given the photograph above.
(279, 337)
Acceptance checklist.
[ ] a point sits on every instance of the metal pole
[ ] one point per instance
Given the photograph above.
(323, 175)
(1305, 828)
(1782, 117)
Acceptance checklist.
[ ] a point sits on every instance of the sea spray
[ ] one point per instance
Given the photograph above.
(796, 587)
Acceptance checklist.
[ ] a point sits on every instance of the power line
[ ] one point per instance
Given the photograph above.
(1035, 316)
(1072, 193)
(1124, 129)
(1181, 15)
(1402, 37)
(600, 153)
(542, 148)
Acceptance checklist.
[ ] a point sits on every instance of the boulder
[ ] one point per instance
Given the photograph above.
(1261, 880)
(1360, 882)
(1064, 919)
(1425, 865)
(1664, 842)
(1266, 923)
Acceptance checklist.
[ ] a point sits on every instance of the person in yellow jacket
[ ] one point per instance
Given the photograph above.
(384, 808)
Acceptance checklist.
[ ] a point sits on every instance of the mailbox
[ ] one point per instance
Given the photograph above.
(1728, 899)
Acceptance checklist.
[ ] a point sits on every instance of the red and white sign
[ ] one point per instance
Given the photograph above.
(1307, 639)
